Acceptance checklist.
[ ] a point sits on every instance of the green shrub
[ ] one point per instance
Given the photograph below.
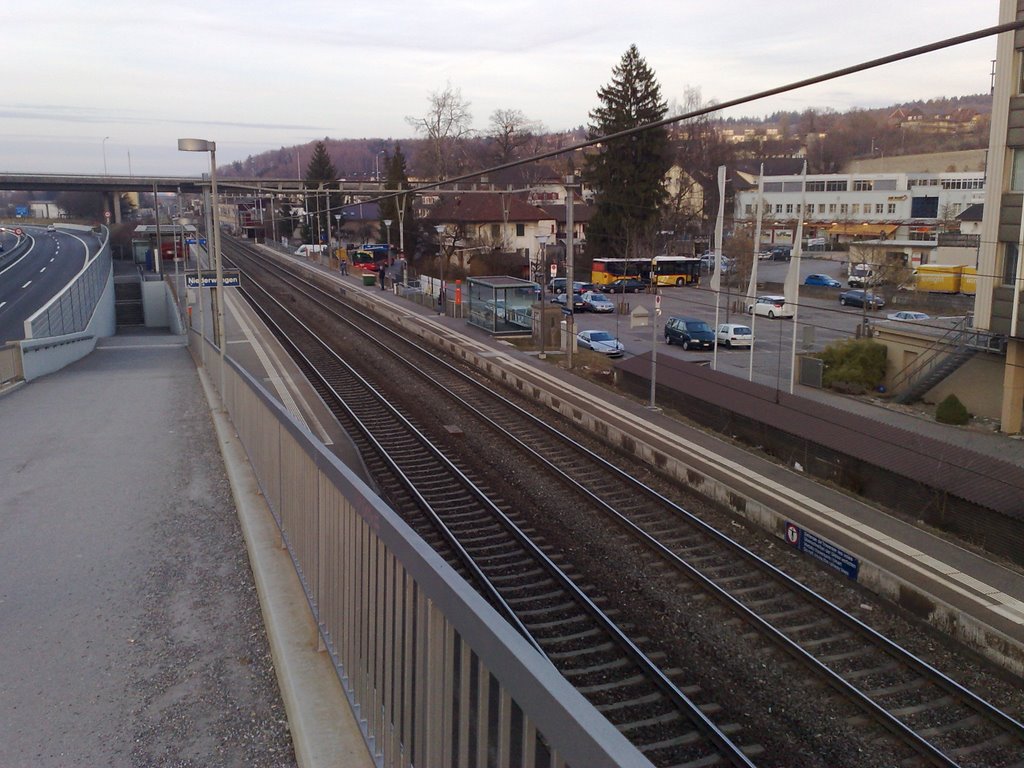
(854, 365)
(952, 411)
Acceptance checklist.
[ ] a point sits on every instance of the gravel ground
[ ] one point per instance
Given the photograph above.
(795, 720)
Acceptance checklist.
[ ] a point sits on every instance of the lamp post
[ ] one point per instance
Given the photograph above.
(440, 228)
(376, 165)
(202, 145)
(542, 266)
(387, 225)
(103, 144)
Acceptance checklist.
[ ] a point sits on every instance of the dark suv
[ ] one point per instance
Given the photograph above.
(690, 332)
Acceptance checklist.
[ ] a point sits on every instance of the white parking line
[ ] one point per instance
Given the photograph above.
(43, 269)
(3, 304)
(26, 285)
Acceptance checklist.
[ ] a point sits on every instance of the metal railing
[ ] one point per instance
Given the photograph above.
(434, 676)
(71, 310)
(960, 337)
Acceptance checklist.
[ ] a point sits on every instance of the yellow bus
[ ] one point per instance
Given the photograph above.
(605, 271)
(674, 270)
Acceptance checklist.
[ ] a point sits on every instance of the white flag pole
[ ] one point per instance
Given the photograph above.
(716, 279)
(793, 276)
(752, 285)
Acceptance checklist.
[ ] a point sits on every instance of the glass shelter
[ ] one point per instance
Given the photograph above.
(502, 305)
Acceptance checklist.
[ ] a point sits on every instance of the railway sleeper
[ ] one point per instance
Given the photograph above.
(925, 706)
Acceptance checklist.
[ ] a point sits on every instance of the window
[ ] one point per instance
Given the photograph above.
(863, 185)
(878, 208)
(835, 186)
(496, 231)
(844, 208)
(749, 209)
(831, 207)
(855, 210)
(1017, 174)
(891, 208)
(520, 230)
(789, 207)
(778, 207)
(1009, 272)
(821, 207)
(815, 186)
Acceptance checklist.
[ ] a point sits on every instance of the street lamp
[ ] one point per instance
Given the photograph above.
(103, 144)
(542, 243)
(376, 165)
(440, 228)
(202, 145)
(387, 224)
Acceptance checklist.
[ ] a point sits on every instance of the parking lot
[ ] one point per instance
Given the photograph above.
(820, 321)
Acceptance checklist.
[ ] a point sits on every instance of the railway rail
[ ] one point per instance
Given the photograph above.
(928, 718)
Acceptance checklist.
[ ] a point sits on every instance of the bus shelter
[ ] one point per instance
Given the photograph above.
(501, 304)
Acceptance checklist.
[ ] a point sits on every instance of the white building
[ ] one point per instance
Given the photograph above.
(857, 206)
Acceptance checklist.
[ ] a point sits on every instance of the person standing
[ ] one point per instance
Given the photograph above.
(380, 274)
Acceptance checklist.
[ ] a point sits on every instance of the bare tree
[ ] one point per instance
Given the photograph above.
(445, 126)
(512, 131)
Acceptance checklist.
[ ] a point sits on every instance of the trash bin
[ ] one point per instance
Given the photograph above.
(369, 279)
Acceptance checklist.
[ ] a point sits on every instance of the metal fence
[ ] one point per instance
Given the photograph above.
(71, 310)
(434, 676)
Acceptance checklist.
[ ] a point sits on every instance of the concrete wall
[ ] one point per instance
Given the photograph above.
(155, 303)
(977, 383)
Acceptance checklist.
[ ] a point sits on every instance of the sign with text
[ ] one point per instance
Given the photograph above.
(232, 279)
(822, 550)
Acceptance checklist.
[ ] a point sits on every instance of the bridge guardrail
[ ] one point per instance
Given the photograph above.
(432, 672)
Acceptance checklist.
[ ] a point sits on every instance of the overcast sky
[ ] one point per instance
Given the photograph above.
(259, 75)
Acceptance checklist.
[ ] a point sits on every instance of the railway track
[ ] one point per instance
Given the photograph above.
(928, 718)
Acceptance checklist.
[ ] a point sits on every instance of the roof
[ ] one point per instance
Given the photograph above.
(485, 208)
(972, 212)
(501, 281)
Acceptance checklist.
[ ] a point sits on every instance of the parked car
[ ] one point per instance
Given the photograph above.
(826, 280)
(596, 302)
(734, 335)
(782, 253)
(51, 228)
(771, 307)
(577, 301)
(624, 285)
(600, 341)
(690, 332)
(908, 316)
(858, 297)
(764, 254)
(707, 262)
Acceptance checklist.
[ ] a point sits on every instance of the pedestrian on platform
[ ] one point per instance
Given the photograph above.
(380, 274)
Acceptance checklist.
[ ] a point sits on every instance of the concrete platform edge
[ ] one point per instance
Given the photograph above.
(324, 730)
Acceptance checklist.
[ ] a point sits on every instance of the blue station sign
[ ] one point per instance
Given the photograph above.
(823, 551)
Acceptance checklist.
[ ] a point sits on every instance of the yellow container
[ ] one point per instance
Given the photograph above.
(969, 280)
(938, 278)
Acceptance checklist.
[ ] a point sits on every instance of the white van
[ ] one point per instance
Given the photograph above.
(862, 275)
(306, 249)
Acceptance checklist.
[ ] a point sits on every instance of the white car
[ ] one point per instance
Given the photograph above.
(771, 307)
(600, 341)
(734, 335)
(911, 317)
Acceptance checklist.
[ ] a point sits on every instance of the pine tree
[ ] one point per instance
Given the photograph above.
(321, 170)
(397, 177)
(628, 173)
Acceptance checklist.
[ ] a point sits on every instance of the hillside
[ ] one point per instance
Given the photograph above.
(832, 139)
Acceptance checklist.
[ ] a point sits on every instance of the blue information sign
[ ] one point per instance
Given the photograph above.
(822, 550)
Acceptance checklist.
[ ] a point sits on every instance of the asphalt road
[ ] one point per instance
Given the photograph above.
(26, 284)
